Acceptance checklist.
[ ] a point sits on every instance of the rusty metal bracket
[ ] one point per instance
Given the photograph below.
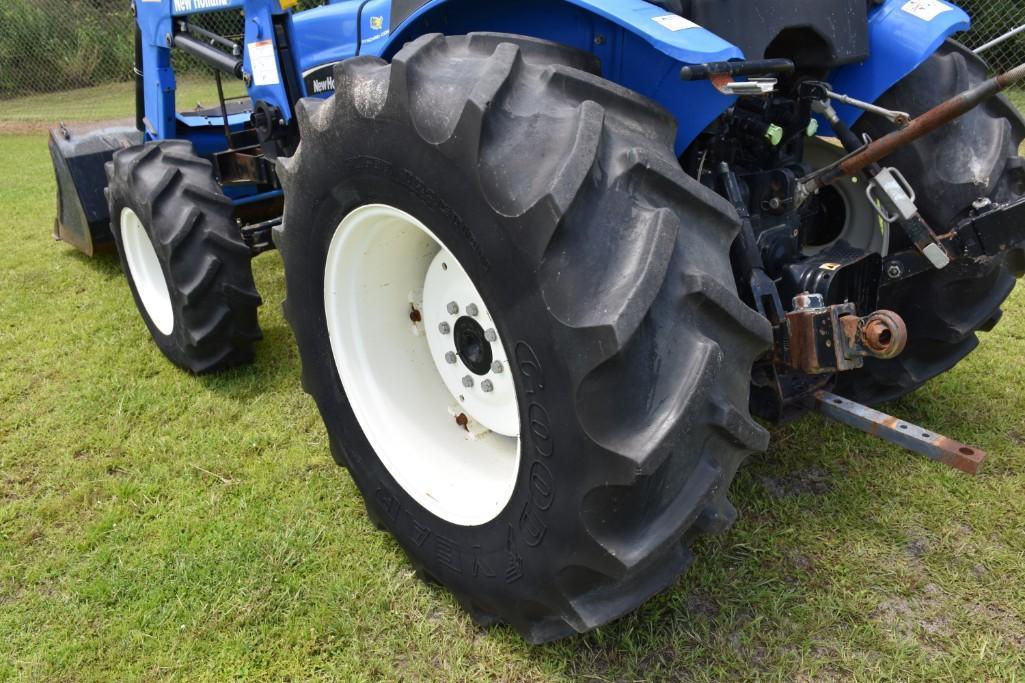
(912, 437)
(829, 339)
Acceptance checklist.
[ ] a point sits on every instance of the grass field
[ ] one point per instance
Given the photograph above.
(106, 102)
(156, 526)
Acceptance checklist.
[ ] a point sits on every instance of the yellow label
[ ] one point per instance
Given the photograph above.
(288, 4)
(830, 266)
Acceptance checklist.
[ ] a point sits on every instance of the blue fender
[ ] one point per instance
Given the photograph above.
(640, 45)
(636, 47)
(900, 41)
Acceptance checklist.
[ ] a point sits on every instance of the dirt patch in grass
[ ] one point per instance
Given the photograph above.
(813, 481)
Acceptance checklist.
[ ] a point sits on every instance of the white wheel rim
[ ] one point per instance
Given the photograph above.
(453, 447)
(148, 276)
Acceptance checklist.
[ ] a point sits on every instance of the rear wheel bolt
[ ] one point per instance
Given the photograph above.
(444, 328)
(487, 387)
(472, 310)
(497, 367)
(468, 382)
(491, 336)
(453, 308)
(450, 358)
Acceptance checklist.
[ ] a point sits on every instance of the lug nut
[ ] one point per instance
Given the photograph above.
(472, 310)
(444, 328)
(497, 367)
(453, 308)
(451, 358)
(894, 271)
(468, 382)
(491, 336)
(487, 386)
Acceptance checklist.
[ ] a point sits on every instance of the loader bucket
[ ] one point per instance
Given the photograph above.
(83, 219)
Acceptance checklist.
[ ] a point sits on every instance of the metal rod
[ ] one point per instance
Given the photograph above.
(935, 118)
(209, 55)
(140, 86)
(224, 108)
(904, 434)
(754, 67)
(213, 38)
(1001, 40)
(899, 117)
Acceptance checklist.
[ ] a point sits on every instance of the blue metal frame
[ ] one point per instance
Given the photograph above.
(899, 43)
(636, 50)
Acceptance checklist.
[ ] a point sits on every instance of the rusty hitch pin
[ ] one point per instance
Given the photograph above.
(939, 116)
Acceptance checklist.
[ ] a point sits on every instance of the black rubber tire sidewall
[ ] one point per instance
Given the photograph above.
(204, 261)
(529, 528)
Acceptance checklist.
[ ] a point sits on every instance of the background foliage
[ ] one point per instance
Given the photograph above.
(58, 45)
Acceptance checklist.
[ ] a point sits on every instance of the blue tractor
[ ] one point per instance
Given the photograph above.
(547, 260)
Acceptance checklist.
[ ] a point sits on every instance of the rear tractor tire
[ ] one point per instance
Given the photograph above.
(188, 268)
(975, 158)
(517, 316)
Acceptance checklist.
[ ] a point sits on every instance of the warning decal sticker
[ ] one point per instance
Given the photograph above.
(674, 22)
(926, 10)
(264, 63)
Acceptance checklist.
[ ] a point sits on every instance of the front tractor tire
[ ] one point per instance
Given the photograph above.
(188, 268)
(518, 319)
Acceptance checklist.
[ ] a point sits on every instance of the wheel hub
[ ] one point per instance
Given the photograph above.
(457, 322)
(471, 346)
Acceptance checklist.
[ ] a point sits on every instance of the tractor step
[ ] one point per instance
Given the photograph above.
(912, 437)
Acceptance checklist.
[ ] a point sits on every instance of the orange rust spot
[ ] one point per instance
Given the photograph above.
(463, 421)
(960, 456)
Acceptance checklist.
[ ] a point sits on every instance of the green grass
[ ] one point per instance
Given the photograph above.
(156, 526)
(1018, 97)
(106, 102)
